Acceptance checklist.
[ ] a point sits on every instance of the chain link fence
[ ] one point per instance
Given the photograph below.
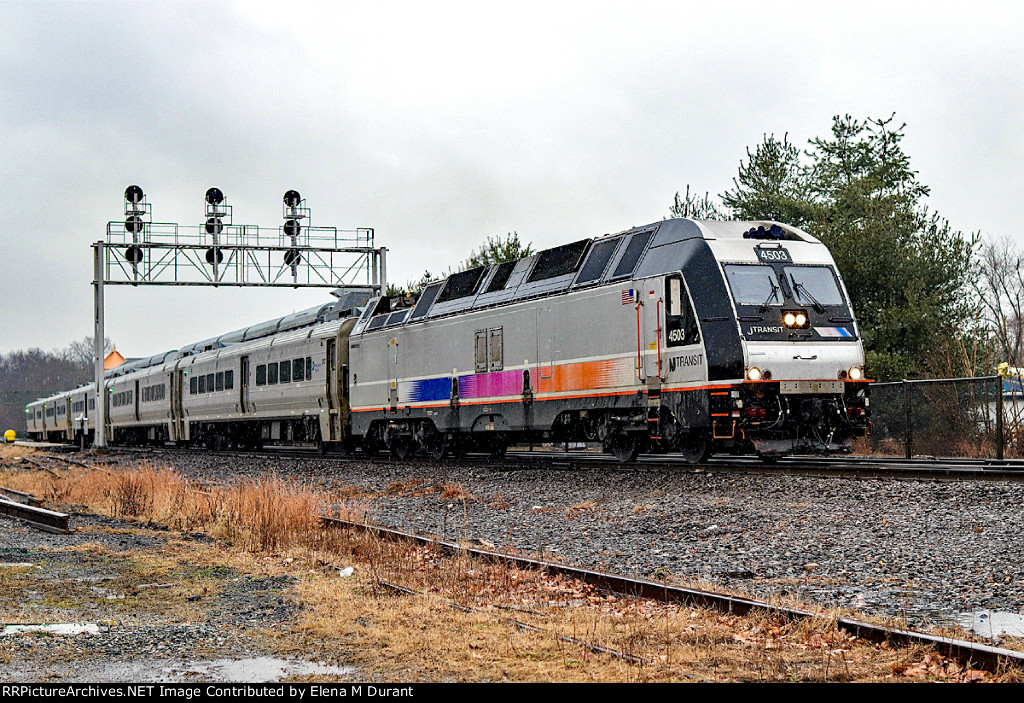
(960, 417)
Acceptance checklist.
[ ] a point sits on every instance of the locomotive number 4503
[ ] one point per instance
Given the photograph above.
(774, 255)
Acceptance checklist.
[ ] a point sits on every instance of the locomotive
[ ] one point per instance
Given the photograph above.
(682, 336)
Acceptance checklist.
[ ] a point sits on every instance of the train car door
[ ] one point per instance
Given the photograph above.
(332, 391)
(135, 402)
(69, 420)
(243, 385)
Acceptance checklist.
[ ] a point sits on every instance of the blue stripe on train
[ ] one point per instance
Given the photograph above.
(429, 389)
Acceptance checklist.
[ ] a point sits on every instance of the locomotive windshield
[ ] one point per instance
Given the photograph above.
(754, 284)
(813, 285)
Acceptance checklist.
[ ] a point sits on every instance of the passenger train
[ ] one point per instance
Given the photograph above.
(687, 337)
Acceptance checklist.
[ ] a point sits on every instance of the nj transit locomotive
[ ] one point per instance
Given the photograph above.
(680, 336)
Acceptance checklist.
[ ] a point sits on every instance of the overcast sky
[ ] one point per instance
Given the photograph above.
(440, 124)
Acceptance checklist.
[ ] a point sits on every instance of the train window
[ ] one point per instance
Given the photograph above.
(298, 370)
(377, 322)
(271, 374)
(496, 356)
(480, 353)
(680, 322)
(193, 385)
(631, 257)
(202, 384)
(558, 261)
(501, 276)
(286, 372)
(209, 382)
(219, 381)
(261, 375)
(397, 318)
(229, 380)
(426, 299)
(92, 403)
(813, 284)
(462, 284)
(597, 261)
(309, 368)
(754, 284)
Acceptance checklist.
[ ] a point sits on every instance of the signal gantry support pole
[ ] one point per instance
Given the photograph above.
(219, 253)
(100, 439)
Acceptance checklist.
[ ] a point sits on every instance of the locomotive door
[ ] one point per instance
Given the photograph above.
(243, 385)
(393, 373)
(545, 344)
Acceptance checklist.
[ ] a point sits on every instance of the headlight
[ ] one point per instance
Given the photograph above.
(753, 374)
(801, 319)
(789, 319)
(856, 373)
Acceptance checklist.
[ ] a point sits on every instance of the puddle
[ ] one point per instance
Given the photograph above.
(250, 670)
(58, 629)
(992, 623)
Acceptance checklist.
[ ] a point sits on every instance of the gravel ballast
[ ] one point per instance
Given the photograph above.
(920, 549)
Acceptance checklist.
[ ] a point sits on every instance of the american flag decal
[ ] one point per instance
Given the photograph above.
(628, 297)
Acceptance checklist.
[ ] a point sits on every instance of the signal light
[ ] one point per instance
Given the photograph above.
(292, 228)
(292, 198)
(133, 255)
(292, 256)
(214, 225)
(133, 194)
(214, 256)
(214, 196)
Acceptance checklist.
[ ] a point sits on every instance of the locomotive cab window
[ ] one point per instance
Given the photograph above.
(754, 284)
(680, 323)
(813, 285)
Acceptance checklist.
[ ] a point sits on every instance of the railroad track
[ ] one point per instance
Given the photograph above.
(547, 459)
(962, 651)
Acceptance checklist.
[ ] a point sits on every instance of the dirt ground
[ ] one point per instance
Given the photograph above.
(177, 605)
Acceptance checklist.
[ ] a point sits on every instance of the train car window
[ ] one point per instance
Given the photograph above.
(597, 261)
(754, 284)
(271, 374)
(193, 385)
(425, 301)
(286, 372)
(202, 384)
(680, 323)
(631, 257)
(501, 276)
(377, 322)
(558, 261)
(298, 370)
(229, 380)
(209, 382)
(812, 284)
(219, 383)
(261, 375)
(309, 368)
(462, 284)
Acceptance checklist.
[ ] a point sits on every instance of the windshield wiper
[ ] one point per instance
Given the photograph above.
(814, 301)
(771, 296)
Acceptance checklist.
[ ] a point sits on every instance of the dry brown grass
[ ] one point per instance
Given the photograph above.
(269, 524)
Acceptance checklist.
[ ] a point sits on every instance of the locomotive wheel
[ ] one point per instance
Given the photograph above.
(401, 447)
(694, 447)
(624, 446)
(437, 447)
